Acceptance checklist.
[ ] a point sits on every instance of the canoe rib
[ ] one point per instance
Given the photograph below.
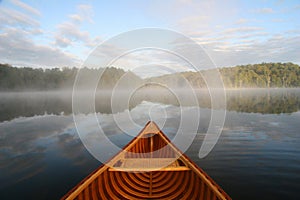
(148, 167)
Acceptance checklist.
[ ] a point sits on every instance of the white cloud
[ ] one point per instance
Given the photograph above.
(72, 32)
(276, 49)
(93, 42)
(253, 35)
(18, 49)
(197, 22)
(26, 7)
(10, 17)
(18, 31)
(62, 41)
(231, 34)
(159, 69)
(76, 18)
(252, 48)
(228, 35)
(241, 30)
(242, 21)
(86, 12)
(250, 44)
(69, 32)
(293, 31)
(264, 11)
(226, 30)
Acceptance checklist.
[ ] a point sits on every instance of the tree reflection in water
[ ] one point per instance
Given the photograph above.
(272, 101)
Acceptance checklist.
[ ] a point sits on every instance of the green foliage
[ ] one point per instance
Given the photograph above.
(16, 79)
(12, 78)
(264, 75)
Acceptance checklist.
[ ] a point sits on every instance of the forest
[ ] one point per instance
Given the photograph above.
(264, 75)
(26, 78)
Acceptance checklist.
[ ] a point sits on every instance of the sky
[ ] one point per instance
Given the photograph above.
(56, 33)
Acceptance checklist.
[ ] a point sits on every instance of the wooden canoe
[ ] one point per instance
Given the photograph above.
(149, 167)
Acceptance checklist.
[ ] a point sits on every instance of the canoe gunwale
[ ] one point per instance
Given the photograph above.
(190, 165)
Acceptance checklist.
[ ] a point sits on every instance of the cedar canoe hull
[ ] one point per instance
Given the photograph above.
(149, 167)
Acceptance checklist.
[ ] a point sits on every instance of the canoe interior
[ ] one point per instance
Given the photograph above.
(149, 167)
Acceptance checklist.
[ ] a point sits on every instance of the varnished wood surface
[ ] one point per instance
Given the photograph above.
(150, 167)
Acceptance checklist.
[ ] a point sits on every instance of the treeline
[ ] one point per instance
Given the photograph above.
(26, 78)
(264, 75)
(13, 78)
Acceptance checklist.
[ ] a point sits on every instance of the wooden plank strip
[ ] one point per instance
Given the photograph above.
(150, 188)
(86, 193)
(202, 189)
(181, 168)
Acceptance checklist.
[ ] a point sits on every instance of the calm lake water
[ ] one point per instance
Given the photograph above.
(256, 157)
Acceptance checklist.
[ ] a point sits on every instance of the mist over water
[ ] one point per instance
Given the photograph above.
(266, 101)
(41, 155)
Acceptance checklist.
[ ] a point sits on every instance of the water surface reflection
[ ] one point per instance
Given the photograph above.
(272, 101)
(257, 156)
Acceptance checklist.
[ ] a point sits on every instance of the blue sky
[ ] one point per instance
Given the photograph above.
(63, 33)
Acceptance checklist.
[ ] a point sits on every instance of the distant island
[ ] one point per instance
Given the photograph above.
(264, 75)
